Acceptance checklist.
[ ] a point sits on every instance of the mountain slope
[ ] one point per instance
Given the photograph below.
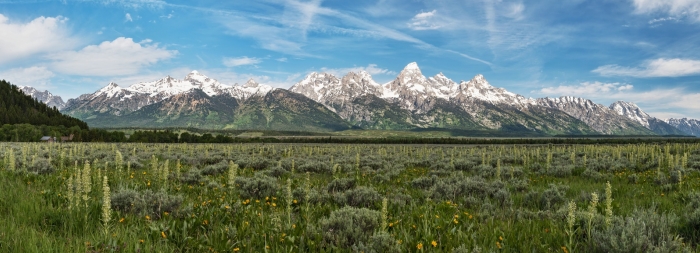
(18, 108)
(598, 117)
(633, 112)
(284, 110)
(44, 96)
(688, 126)
(193, 108)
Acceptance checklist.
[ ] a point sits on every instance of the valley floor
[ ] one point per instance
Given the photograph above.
(334, 198)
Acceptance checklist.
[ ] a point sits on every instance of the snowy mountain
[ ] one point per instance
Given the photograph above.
(116, 100)
(44, 96)
(599, 117)
(688, 126)
(632, 111)
(410, 101)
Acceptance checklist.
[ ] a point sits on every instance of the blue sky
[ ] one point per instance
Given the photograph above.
(643, 51)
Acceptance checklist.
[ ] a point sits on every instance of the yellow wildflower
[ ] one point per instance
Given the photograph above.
(162, 234)
(434, 243)
(419, 246)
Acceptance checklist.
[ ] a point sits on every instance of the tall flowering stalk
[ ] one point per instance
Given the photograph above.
(119, 160)
(290, 199)
(106, 203)
(608, 205)
(86, 182)
(591, 212)
(232, 171)
(385, 213)
(570, 220)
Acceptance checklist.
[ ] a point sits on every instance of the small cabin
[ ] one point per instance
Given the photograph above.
(48, 139)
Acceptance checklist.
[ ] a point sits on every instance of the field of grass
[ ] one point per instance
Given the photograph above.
(348, 198)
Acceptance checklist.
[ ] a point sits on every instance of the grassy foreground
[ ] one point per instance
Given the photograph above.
(338, 198)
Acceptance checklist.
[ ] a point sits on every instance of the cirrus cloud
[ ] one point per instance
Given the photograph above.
(677, 8)
(121, 56)
(586, 89)
(653, 68)
(240, 61)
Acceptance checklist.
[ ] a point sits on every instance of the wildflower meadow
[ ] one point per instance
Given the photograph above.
(349, 198)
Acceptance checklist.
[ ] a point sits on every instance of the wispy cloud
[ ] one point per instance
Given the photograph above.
(41, 35)
(675, 8)
(240, 61)
(372, 69)
(424, 21)
(127, 18)
(586, 89)
(654, 68)
(122, 56)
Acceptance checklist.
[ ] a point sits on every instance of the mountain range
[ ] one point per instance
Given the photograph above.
(324, 102)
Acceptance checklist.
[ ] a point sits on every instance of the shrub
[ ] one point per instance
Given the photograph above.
(359, 197)
(149, 202)
(549, 199)
(257, 187)
(592, 175)
(349, 226)
(379, 243)
(215, 169)
(41, 166)
(643, 231)
(340, 185)
(424, 182)
(192, 177)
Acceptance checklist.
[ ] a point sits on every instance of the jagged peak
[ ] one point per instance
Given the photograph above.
(412, 66)
(251, 83)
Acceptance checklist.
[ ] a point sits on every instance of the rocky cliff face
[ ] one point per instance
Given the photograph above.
(44, 96)
(632, 111)
(598, 117)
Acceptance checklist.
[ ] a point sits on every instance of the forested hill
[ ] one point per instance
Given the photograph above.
(18, 108)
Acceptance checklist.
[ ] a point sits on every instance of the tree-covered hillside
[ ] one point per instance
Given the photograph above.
(18, 108)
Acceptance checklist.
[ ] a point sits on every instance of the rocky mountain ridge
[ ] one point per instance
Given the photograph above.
(409, 101)
(44, 96)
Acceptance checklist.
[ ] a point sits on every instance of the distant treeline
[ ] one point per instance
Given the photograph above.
(168, 136)
(30, 133)
(18, 108)
(33, 133)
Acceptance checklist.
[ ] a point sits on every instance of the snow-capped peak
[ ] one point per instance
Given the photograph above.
(412, 66)
(631, 111)
(251, 83)
(480, 88)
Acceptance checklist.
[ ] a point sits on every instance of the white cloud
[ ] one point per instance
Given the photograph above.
(283, 59)
(41, 35)
(586, 89)
(654, 68)
(241, 61)
(36, 76)
(676, 8)
(122, 56)
(424, 21)
(136, 4)
(372, 69)
(127, 18)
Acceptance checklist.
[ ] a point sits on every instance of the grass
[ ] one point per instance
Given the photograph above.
(462, 205)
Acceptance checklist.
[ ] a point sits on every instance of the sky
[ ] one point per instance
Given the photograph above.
(641, 51)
